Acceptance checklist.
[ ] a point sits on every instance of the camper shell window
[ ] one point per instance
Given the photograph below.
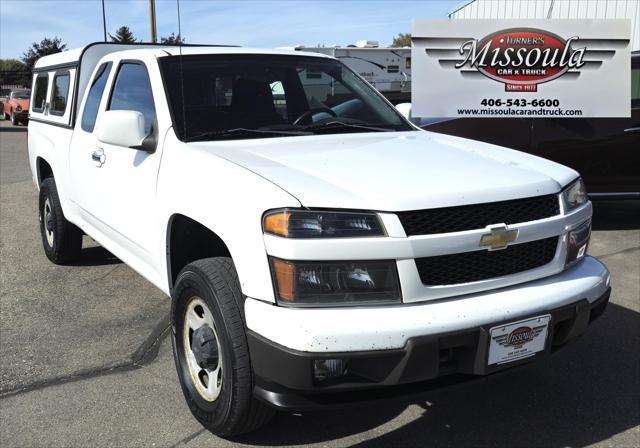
(40, 93)
(60, 93)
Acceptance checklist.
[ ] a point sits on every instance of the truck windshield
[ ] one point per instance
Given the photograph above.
(222, 97)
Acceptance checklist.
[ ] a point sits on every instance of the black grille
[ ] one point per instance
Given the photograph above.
(483, 264)
(478, 216)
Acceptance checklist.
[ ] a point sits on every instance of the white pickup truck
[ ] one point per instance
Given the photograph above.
(317, 247)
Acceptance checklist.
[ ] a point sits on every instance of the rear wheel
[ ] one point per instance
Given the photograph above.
(211, 351)
(61, 240)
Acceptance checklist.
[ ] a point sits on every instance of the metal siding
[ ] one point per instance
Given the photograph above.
(558, 9)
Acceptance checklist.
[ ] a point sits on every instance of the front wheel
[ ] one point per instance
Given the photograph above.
(14, 120)
(211, 350)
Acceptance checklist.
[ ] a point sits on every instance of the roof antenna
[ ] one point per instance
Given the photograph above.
(184, 114)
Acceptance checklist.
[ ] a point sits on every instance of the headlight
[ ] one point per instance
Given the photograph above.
(574, 195)
(292, 223)
(578, 242)
(18, 108)
(335, 283)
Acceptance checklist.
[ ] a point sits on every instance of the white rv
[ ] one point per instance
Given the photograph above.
(386, 69)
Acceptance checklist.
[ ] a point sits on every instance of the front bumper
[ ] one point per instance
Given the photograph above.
(398, 358)
(283, 377)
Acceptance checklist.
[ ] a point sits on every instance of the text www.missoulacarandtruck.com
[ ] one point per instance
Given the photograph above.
(556, 112)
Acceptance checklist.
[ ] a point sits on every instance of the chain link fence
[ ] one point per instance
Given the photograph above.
(10, 80)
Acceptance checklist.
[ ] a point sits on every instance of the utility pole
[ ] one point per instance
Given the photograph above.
(104, 22)
(152, 17)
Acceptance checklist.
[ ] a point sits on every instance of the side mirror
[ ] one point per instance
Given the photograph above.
(123, 128)
(405, 110)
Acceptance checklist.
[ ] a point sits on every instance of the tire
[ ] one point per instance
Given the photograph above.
(14, 120)
(212, 284)
(61, 240)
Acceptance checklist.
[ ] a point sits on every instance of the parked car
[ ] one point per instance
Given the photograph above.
(318, 249)
(16, 108)
(4, 97)
(603, 150)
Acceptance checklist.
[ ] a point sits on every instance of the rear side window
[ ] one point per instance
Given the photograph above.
(40, 94)
(132, 91)
(60, 93)
(92, 104)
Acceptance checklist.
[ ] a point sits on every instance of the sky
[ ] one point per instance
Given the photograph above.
(248, 23)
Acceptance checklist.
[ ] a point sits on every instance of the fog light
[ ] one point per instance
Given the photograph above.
(578, 242)
(324, 369)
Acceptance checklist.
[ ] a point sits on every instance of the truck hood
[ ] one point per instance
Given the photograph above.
(394, 171)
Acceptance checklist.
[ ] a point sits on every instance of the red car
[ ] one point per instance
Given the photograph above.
(16, 108)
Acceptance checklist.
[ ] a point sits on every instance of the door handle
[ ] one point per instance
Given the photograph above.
(98, 157)
(633, 130)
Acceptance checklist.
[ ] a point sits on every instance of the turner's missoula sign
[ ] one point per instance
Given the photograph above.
(522, 58)
(541, 68)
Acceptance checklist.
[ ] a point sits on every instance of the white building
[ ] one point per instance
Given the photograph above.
(554, 9)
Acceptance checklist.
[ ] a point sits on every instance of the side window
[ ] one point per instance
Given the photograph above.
(93, 98)
(132, 91)
(40, 94)
(60, 93)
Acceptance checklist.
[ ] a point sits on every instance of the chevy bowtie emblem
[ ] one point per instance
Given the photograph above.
(499, 238)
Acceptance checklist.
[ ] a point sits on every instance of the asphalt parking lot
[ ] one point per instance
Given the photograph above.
(85, 359)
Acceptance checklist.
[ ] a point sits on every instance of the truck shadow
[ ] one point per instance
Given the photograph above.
(584, 394)
(96, 256)
(11, 128)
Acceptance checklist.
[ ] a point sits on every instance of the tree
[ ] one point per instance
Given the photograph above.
(14, 73)
(123, 36)
(45, 47)
(12, 65)
(403, 40)
(172, 40)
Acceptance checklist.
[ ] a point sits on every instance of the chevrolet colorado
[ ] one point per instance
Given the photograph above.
(317, 247)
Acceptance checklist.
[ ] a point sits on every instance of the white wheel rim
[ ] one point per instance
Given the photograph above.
(47, 216)
(207, 382)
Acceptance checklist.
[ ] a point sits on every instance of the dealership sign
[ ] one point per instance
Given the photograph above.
(521, 68)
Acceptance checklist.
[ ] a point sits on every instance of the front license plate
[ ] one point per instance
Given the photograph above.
(518, 340)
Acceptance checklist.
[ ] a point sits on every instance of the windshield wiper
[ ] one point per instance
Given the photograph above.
(240, 132)
(342, 124)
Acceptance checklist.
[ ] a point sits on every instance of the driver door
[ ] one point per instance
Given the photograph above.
(118, 183)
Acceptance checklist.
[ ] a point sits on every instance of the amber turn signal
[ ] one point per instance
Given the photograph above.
(285, 276)
(277, 223)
